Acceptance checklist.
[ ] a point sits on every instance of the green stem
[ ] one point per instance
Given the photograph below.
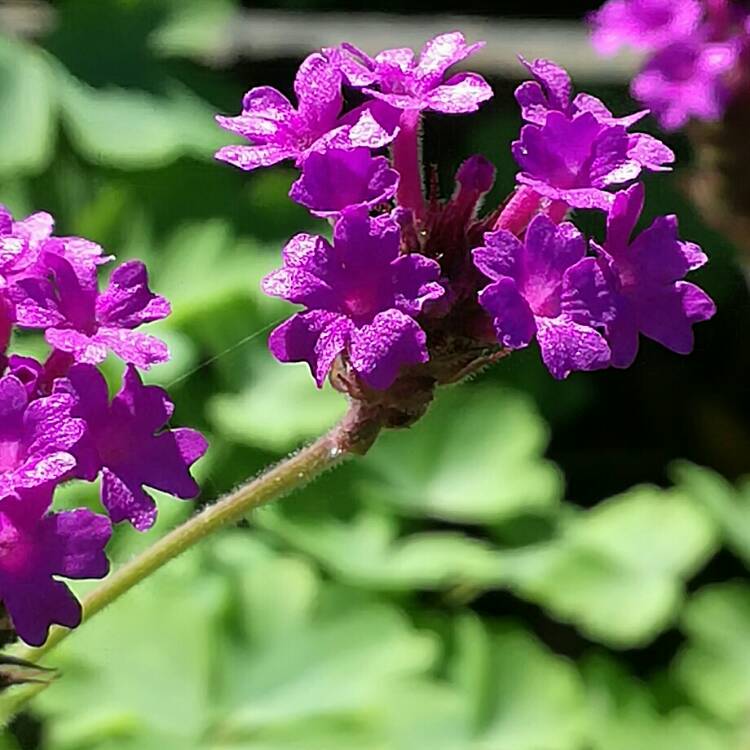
(353, 435)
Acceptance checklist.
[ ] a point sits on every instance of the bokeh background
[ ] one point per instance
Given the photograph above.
(534, 566)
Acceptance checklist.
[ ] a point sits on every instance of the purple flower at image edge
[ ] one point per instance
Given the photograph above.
(644, 25)
(37, 546)
(127, 442)
(36, 437)
(527, 296)
(687, 79)
(79, 320)
(361, 298)
(641, 280)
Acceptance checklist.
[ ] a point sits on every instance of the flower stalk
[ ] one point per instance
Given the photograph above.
(353, 435)
(408, 163)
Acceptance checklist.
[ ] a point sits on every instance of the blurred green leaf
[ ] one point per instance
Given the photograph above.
(624, 715)
(130, 128)
(475, 458)
(730, 507)
(522, 696)
(364, 547)
(278, 409)
(194, 28)
(714, 667)
(28, 104)
(618, 570)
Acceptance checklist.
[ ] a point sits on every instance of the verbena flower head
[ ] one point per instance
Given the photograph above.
(278, 131)
(645, 277)
(643, 24)
(685, 80)
(361, 299)
(339, 179)
(52, 431)
(527, 296)
(126, 441)
(405, 82)
(415, 290)
(579, 159)
(35, 548)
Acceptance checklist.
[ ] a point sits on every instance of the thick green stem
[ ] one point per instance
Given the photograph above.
(353, 435)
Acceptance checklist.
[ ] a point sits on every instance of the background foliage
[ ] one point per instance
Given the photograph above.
(534, 566)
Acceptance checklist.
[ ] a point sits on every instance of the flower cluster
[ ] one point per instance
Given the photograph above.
(693, 48)
(58, 423)
(415, 291)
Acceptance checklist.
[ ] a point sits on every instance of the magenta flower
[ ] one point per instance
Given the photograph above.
(126, 442)
(687, 79)
(528, 295)
(643, 24)
(337, 179)
(35, 548)
(578, 159)
(278, 131)
(645, 276)
(36, 437)
(86, 324)
(410, 84)
(552, 91)
(361, 298)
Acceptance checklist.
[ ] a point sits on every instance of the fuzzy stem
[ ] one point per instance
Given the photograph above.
(407, 160)
(354, 434)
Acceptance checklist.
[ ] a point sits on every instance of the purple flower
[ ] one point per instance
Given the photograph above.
(126, 442)
(643, 24)
(278, 131)
(361, 298)
(576, 159)
(35, 548)
(552, 91)
(336, 179)
(687, 79)
(36, 437)
(409, 84)
(644, 277)
(86, 324)
(528, 296)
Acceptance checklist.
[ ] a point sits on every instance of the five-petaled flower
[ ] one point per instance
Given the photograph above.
(361, 300)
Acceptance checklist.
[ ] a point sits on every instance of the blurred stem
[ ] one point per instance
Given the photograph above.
(407, 162)
(353, 435)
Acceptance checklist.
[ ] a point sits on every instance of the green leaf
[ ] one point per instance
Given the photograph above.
(233, 645)
(730, 507)
(714, 667)
(522, 697)
(142, 666)
(367, 550)
(28, 106)
(623, 715)
(475, 458)
(278, 409)
(615, 572)
(133, 128)
(337, 654)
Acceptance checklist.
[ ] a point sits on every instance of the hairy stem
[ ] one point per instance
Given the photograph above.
(407, 160)
(354, 434)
